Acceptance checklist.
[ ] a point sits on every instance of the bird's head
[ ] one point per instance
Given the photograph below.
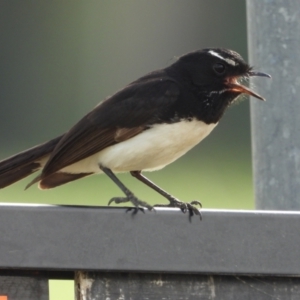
(219, 72)
(215, 76)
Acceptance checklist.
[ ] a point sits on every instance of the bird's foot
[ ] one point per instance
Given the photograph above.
(184, 206)
(138, 204)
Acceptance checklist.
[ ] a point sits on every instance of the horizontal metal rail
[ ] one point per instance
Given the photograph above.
(70, 238)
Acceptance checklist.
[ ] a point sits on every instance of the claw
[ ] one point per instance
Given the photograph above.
(194, 211)
(118, 200)
(138, 204)
(196, 202)
(135, 210)
(184, 207)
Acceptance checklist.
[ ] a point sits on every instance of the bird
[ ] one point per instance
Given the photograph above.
(145, 126)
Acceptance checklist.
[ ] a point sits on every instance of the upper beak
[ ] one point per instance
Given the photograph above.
(253, 73)
(236, 87)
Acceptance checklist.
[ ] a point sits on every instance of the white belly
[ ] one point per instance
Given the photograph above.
(150, 150)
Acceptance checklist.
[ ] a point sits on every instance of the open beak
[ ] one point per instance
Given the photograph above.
(237, 87)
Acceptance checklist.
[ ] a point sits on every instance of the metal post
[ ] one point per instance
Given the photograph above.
(274, 43)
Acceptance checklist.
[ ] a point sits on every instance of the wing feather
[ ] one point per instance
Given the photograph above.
(118, 118)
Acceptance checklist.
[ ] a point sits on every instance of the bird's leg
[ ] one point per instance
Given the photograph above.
(173, 201)
(130, 197)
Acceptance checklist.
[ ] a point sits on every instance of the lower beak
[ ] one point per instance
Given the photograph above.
(236, 87)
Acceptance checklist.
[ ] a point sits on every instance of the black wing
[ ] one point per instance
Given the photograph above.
(120, 117)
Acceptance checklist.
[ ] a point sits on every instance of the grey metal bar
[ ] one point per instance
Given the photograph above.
(109, 239)
(274, 43)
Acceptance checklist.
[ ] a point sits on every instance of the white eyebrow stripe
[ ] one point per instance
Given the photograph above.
(228, 60)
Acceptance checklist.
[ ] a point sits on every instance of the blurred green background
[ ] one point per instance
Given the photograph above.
(58, 59)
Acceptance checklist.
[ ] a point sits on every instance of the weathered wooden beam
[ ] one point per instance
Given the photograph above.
(189, 287)
(23, 288)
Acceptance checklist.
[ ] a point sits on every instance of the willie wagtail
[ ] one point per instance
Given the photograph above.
(143, 127)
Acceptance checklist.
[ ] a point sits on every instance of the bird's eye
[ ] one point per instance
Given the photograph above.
(219, 68)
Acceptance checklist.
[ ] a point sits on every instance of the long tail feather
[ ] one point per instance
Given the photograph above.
(25, 163)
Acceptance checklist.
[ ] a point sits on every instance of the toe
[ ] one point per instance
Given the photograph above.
(196, 202)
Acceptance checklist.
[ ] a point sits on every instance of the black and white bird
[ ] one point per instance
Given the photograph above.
(143, 127)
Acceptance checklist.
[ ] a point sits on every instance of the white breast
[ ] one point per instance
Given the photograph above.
(156, 147)
(150, 150)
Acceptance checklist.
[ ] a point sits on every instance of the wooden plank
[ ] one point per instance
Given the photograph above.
(23, 288)
(187, 287)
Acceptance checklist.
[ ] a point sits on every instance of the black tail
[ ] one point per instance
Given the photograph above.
(25, 163)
